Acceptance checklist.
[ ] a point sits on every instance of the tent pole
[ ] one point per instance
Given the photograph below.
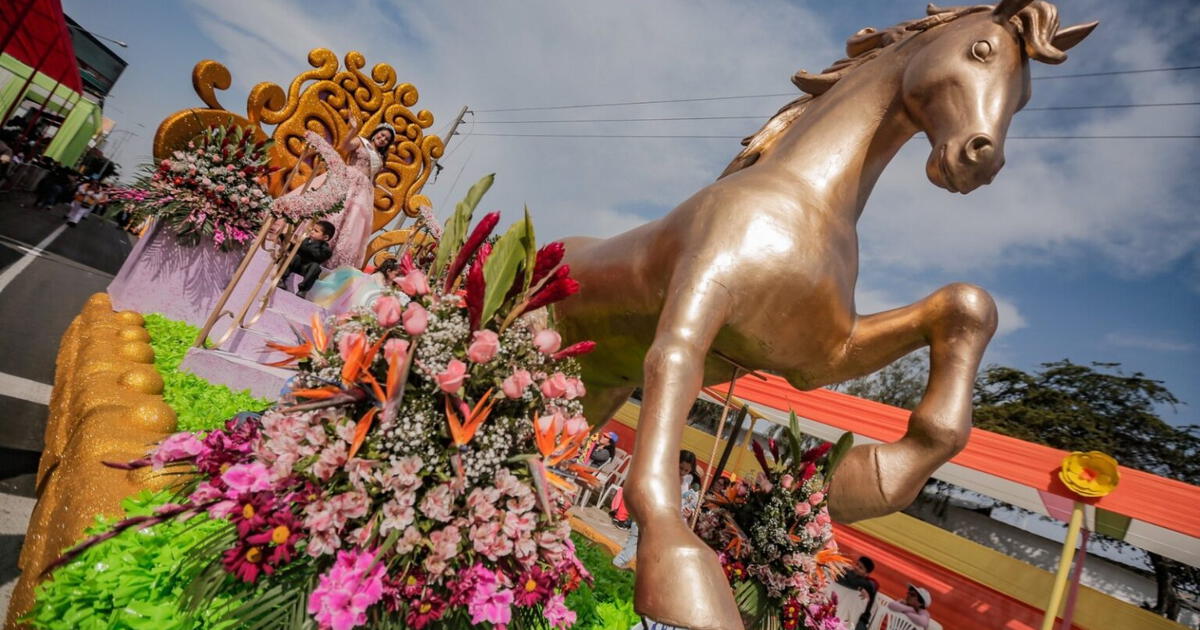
(1064, 567)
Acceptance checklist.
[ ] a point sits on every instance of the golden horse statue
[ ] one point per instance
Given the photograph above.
(758, 269)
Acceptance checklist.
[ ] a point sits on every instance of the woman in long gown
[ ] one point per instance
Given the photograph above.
(356, 175)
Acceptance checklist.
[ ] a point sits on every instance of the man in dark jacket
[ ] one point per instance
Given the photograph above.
(857, 577)
(313, 251)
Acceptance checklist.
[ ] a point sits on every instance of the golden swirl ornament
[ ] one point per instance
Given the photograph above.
(322, 100)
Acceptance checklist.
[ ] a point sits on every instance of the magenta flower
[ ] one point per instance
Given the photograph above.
(347, 590)
(490, 603)
(533, 587)
(243, 478)
(177, 447)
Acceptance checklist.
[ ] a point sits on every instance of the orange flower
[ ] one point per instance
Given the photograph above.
(462, 432)
(319, 342)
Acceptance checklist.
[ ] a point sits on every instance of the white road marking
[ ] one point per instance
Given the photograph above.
(17, 387)
(8, 275)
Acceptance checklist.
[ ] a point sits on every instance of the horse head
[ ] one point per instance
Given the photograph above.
(964, 85)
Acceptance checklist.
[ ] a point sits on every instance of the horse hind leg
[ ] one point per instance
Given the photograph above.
(956, 322)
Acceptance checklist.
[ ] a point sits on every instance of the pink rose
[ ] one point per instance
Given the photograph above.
(575, 425)
(395, 348)
(350, 341)
(574, 389)
(555, 386)
(387, 310)
(414, 283)
(803, 509)
(514, 386)
(484, 346)
(816, 498)
(452, 378)
(547, 341)
(786, 481)
(545, 423)
(416, 319)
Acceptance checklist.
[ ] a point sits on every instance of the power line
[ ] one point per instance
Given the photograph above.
(740, 136)
(669, 118)
(781, 94)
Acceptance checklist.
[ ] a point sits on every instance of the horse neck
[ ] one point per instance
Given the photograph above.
(840, 144)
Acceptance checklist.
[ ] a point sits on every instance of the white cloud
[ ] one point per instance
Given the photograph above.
(1144, 341)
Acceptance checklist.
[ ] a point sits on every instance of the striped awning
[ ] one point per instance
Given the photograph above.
(1151, 512)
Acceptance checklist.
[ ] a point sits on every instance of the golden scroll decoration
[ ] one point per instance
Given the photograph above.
(322, 100)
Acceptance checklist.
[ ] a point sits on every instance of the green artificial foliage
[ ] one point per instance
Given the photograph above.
(611, 591)
(135, 580)
(200, 405)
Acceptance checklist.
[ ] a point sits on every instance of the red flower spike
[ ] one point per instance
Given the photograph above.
(477, 237)
(548, 258)
(574, 350)
(817, 452)
(810, 469)
(555, 291)
(760, 456)
(476, 286)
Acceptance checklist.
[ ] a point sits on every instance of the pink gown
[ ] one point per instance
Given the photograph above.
(354, 183)
(353, 223)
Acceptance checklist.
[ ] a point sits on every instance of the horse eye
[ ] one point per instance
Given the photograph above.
(981, 50)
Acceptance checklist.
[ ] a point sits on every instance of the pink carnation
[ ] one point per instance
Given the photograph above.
(243, 478)
(557, 613)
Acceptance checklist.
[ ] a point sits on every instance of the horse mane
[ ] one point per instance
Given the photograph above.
(1035, 25)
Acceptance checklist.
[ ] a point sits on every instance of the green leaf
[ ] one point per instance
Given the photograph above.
(456, 228)
(837, 453)
(530, 243)
(501, 267)
(793, 434)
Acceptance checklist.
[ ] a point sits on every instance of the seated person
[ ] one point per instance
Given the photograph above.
(915, 606)
(604, 450)
(857, 577)
(313, 251)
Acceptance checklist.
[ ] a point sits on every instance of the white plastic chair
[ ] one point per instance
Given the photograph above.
(850, 604)
(614, 482)
(605, 474)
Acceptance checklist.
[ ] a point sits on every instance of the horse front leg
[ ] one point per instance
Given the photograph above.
(956, 322)
(679, 580)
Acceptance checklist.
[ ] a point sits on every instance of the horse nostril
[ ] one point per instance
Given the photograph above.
(979, 148)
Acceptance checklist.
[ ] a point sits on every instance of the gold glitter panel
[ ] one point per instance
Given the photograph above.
(106, 406)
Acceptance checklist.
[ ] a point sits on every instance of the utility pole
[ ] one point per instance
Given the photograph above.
(457, 121)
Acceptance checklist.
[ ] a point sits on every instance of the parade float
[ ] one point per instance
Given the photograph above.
(416, 472)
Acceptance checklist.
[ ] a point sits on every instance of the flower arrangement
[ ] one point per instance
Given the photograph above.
(210, 189)
(416, 475)
(774, 536)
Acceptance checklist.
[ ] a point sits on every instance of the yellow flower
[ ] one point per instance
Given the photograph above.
(1092, 474)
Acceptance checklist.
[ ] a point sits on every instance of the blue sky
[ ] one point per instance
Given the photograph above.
(1092, 248)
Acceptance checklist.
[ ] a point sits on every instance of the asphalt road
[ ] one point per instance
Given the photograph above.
(47, 272)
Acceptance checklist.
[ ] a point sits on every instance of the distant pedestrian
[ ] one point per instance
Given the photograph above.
(89, 195)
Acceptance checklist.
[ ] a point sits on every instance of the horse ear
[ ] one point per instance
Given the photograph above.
(1008, 8)
(1066, 38)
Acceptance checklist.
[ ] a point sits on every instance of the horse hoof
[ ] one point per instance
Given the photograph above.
(679, 581)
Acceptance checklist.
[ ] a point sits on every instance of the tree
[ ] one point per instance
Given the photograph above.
(1098, 407)
(900, 384)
